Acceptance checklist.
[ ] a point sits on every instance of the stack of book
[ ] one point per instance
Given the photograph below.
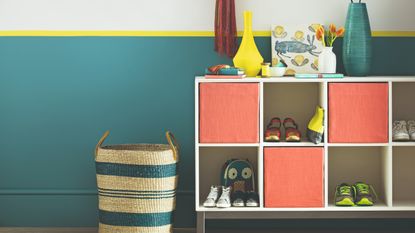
(225, 73)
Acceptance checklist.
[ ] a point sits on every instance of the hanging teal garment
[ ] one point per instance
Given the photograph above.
(357, 42)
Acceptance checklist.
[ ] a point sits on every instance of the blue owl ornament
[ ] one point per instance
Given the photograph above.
(239, 174)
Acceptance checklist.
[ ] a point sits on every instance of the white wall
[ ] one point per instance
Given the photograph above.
(191, 15)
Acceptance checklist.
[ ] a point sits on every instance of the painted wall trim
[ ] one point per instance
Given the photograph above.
(57, 33)
(65, 192)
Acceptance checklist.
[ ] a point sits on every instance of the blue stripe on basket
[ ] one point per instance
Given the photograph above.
(137, 197)
(135, 219)
(137, 191)
(144, 171)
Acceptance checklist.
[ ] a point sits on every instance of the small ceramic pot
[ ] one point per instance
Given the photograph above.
(276, 71)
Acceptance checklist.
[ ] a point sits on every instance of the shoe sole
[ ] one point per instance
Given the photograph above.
(209, 205)
(364, 202)
(402, 137)
(238, 205)
(223, 206)
(293, 139)
(345, 202)
(251, 205)
(272, 139)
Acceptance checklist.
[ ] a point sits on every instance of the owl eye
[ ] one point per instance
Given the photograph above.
(233, 173)
(246, 173)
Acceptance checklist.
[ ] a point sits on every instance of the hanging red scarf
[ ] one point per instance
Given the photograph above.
(225, 28)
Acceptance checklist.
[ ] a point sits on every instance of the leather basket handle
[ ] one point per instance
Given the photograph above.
(173, 144)
(101, 141)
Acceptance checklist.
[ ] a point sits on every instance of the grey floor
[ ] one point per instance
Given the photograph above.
(310, 231)
(215, 230)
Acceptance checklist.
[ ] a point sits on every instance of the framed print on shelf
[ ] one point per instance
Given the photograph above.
(297, 47)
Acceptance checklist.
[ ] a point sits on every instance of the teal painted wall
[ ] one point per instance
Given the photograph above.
(59, 94)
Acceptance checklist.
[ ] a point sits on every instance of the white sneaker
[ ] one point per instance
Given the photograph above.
(225, 199)
(399, 131)
(411, 129)
(212, 197)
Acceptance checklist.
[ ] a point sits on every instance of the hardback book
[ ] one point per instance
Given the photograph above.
(217, 76)
(227, 71)
(338, 75)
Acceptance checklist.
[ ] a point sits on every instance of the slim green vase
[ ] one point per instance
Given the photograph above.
(357, 42)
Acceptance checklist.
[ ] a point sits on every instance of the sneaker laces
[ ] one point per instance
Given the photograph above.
(252, 195)
(345, 190)
(399, 126)
(213, 194)
(411, 126)
(367, 189)
(225, 196)
(362, 188)
(226, 191)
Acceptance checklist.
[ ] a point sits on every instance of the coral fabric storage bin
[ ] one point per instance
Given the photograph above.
(229, 112)
(293, 177)
(358, 112)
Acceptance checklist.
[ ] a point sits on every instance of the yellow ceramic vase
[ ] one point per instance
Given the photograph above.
(248, 56)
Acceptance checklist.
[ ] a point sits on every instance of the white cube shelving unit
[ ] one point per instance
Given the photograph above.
(389, 166)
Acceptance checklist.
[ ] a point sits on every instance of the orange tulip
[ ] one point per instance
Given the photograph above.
(320, 33)
(340, 32)
(332, 28)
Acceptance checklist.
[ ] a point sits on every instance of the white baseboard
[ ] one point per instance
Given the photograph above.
(69, 230)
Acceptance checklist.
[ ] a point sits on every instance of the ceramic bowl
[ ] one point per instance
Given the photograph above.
(277, 71)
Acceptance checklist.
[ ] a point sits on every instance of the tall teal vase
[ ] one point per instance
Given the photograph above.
(357, 42)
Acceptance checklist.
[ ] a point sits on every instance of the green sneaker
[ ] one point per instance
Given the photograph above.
(344, 195)
(365, 195)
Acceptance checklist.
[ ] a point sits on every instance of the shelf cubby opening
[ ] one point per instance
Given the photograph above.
(295, 100)
(211, 161)
(354, 164)
(403, 177)
(403, 95)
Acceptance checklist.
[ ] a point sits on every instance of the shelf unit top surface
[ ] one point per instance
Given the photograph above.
(318, 80)
(306, 144)
(331, 207)
(292, 144)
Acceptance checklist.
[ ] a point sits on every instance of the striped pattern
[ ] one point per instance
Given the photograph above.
(135, 205)
(135, 219)
(136, 188)
(136, 183)
(144, 171)
(131, 229)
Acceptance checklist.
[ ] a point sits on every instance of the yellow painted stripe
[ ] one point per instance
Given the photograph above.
(393, 33)
(167, 33)
(256, 33)
(111, 33)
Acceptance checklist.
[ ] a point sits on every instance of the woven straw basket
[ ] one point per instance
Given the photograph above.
(136, 186)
